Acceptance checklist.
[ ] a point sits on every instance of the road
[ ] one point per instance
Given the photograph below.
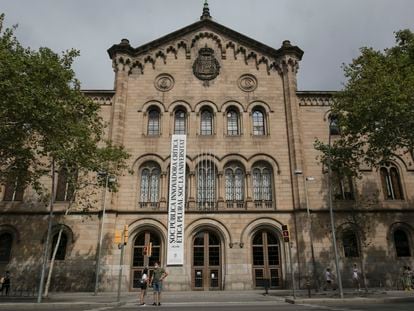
(263, 306)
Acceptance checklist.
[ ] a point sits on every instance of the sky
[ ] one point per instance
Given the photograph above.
(330, 32)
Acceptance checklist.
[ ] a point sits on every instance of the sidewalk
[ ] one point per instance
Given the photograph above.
(373, 296)
(254, 297)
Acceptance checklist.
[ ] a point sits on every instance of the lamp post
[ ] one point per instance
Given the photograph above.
(108, 179)
(314, 272)
(338, 273)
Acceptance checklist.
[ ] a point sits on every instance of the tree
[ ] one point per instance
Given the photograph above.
(375, 117)
(375, 109)
(46, 121)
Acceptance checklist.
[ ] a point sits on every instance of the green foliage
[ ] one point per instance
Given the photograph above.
(44, 116)
(376, 107)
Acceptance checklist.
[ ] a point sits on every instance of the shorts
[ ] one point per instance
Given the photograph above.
(143, 286)
(157, 286)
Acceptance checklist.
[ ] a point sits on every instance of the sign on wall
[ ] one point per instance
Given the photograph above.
(176, 202)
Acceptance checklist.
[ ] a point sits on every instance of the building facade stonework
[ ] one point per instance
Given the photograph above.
(250, 136)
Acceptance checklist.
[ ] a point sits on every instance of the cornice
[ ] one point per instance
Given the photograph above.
(125, 48)
(103, 97)
(315, 98)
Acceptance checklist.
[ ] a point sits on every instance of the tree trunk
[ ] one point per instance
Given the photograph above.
(52, 263)
(52, 260)
(364, 277)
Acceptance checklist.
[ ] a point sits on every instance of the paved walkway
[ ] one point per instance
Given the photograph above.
(213, 297)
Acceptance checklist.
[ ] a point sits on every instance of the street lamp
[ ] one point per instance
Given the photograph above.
(333, 126)
(108, 178)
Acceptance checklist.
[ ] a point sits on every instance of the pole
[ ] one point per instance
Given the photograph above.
(98, 259)
(49, 231)
(315, 275)
(338, 272)
(291, 271)
(121, 260)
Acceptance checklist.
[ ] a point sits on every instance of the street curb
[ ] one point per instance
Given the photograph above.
(35, 305)
(349, 300)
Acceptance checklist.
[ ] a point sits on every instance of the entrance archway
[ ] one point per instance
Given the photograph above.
(206, 261)
(266, 259)
(140, 260)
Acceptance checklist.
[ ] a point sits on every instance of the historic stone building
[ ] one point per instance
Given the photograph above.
(251, 168)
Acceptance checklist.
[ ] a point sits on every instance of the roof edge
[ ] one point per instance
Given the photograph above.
(126, 48)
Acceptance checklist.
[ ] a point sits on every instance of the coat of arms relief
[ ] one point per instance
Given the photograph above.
(206, 67)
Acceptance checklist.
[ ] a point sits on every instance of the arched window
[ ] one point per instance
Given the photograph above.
(402, 244)
(350, 243)
(180, 122)
(258, 122)
(150, 184)
(153, 122)
(61, 251)
(391, 182)
(206, 122)
(262, 184)
(13, 191)
(206, 185)
(234, 183)
(343, 187)
(233, 122)
(6, 243)
(65, 185)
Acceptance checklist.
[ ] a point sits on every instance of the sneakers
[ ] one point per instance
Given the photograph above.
(154, 304)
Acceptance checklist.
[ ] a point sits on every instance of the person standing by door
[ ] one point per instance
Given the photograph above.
(6, 283)
(158, 276)
(143, 285)
(355, 278)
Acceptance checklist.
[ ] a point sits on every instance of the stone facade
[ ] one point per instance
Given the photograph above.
(244, 231)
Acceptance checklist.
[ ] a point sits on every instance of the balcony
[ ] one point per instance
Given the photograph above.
(211, 207)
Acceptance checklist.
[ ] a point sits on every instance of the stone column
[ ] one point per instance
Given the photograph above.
(289, 64)
(220, 190)
(249, 197)
(164, 190)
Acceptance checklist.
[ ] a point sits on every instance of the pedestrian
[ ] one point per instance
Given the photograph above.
(157, 277)
(409, 278)
(5, 283)
(328, 279)
(412, 277)
(406, 278)
(356, 278)
(143, 285)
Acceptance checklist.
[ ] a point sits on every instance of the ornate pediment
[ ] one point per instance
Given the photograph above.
(224, 41)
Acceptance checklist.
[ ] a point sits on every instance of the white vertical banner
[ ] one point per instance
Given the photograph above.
(176, 201)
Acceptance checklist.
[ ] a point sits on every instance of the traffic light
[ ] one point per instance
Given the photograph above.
(118, 237)
(149, 250)
(285, 233)
(125, 234)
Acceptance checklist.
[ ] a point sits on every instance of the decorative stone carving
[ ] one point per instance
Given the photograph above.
(164, 82)
(247, 83)
(206, 67)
